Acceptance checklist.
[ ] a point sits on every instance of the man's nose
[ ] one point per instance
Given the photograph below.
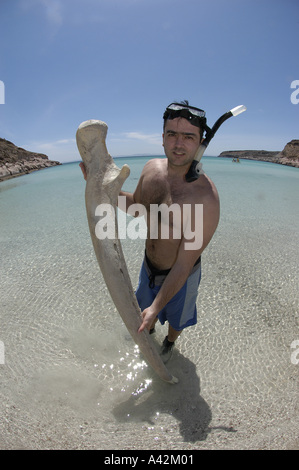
(179, 140)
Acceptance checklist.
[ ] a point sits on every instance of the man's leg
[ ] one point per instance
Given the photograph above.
(173, 334)
(168, 343)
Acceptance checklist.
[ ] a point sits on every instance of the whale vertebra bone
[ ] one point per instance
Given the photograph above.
(103, 183)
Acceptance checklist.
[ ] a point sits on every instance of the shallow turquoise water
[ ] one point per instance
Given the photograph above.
(72, 377)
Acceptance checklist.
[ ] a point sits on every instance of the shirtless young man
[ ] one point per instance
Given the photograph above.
(171, 271)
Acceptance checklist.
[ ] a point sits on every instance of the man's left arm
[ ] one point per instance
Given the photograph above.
(184, 263)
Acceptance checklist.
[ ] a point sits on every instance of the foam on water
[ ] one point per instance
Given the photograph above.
(72, 376)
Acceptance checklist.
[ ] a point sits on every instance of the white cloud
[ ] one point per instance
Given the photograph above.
(152, 139)
(52, 8)
(133, 143)
(53, 11)
(126, 143)
(63, 150)
(53, 144)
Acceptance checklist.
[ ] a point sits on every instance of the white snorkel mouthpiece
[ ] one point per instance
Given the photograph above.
(238, 110)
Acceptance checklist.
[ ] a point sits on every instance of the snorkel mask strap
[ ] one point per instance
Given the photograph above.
(195, 116)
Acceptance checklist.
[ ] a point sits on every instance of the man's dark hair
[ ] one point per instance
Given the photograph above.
(184, 103)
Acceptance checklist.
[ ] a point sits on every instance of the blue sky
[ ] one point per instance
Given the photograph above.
(123, 61)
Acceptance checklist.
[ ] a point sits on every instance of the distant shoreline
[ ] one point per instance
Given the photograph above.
(16, 161)
(289, 156)
(253, 155)
(264, 159)
(10, 177)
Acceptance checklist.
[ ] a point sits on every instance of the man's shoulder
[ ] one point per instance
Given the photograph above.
(206, 189)
(153, 165)
(155, 162)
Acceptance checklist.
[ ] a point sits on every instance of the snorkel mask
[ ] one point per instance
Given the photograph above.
(197, 117)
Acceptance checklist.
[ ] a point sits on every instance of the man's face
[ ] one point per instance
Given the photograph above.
(181, 141)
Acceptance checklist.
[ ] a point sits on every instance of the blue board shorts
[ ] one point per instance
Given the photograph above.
(181, 310)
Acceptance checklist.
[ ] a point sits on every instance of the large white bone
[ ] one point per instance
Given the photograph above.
(103, 183)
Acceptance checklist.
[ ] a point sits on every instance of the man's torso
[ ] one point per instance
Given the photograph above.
(157, 188)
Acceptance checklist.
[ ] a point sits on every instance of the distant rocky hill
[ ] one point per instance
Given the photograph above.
(288, 156)
(16, 161)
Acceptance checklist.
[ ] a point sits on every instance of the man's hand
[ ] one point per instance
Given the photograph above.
(148, 315)
(83, 169)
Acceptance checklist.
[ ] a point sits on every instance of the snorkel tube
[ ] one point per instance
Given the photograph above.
(195, 167)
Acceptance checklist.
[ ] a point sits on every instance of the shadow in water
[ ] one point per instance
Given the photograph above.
(182, 401)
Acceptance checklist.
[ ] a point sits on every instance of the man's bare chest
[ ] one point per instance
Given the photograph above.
(161, 191)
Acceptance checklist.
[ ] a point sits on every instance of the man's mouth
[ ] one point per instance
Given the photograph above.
(179, 153)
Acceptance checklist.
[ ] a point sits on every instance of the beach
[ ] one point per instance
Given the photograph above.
(72, 378)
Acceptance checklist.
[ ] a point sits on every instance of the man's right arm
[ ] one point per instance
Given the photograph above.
(129, 200)
(133, 198)
(130, 197)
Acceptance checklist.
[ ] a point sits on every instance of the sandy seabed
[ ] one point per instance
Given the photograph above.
(73, 379)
